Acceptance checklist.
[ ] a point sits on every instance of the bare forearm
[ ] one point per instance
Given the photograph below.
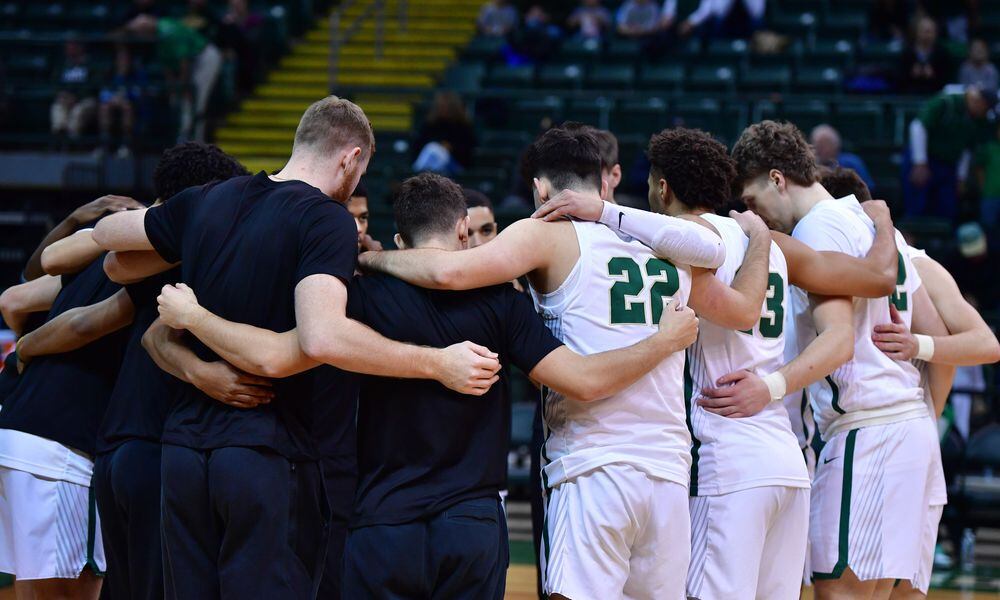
(424, 267)
(130, 267)
(252, 349)
(969, 348)
(883, 256)
(33, 270)
(67, 332)
(830, 349)
(751, 278)
(164, 347)
(71, 254)
(353, 346)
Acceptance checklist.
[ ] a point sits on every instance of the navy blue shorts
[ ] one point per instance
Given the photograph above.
(459, 554)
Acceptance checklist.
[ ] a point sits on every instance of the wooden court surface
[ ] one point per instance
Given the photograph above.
(521, 586)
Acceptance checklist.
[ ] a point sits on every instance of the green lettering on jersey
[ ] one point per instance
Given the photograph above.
(664, 283)
(899, 297)
(773, 323)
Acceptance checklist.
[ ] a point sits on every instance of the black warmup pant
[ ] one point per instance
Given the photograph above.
(241, 523)
(127, 486)
(459, 554)
(341, 480)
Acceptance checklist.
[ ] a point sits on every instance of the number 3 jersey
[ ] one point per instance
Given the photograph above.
(871, 388)
(614, 298)
(733, 454)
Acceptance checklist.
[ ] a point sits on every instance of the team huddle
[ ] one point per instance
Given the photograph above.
(217, 396)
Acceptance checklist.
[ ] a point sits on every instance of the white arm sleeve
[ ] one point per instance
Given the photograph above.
(680, 241)
(918, 142)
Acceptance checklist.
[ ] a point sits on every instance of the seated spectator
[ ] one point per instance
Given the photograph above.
(241, 30)
(497, 18)
(987, 164)
(945, 131)
(826, 143)
(74, 106)
(447, 139)
(538, 38)
(887, 20)
(590, 20)
(119, 99)
(182, 50)
(977, 70)
(638, 19)
(926, 66)
(959, 17)
(725, 18)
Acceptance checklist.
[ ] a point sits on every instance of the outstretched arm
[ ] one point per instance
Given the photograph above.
(130, 267)
(218, 380)
(675, 239)
(597, 376)
(123, 231)
(744, 394)
(18, 301)
(77, 327)
(71, 254)
(517, 250)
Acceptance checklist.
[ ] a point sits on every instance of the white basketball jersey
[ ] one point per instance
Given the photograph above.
(870, 386)
(612, 299)
(730, 454)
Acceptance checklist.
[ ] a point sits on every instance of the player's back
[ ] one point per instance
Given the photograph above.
(732, 454)
(613, 298)
(870, 387)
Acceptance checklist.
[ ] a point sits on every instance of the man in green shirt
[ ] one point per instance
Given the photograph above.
(188, 59)
(947, 128)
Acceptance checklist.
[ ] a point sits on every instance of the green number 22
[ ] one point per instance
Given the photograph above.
(664, 283)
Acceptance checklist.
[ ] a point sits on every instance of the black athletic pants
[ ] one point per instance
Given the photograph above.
(341, 480)
(241, 523)
(127, 486)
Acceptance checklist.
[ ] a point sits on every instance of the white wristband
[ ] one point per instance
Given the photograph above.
(926, 347)
(776, 385)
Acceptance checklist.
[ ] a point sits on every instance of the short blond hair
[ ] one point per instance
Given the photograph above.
(331, 124)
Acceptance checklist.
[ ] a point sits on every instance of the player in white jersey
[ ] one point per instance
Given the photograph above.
(870, 492)
(617, 520)
(748, 478)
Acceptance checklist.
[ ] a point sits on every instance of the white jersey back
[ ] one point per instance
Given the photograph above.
(612, 299)
(870, 387)
(729, 454)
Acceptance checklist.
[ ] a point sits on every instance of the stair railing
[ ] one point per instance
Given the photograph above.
(341, 35)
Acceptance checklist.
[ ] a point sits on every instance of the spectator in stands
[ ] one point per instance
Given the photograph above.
(887, 20)
(141, 7)
(590, 20)
(959, 17)
(74, 106)
(240, 33)
(188, 59)
(947, 128)
(725, 18)
(538, 38)
(203, 18)
(447, 139)
(827, 145)
(497, 18)
(118, 101)
(926, 66)
(638, 19)
(988, 175)
(977, 70)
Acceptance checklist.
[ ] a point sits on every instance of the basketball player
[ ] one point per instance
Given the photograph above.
(445, 507)
(611, 170)
(617, 470)
(242, 508)
(357, 205)
(482, 222)
(871, 488)
(754, 504)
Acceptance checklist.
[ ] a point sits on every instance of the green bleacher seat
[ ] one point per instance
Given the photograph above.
(711, 79)
(767, 79)
(33, 67)
(795, 23)
(561, 76)
(859, 121)
(514, 141)
(822, 80)
(640, 116)
(491, 182)
(578, 50)
(527, 114)
(611, 77)
(506, 76)
(484, 47)
(493, 158)
(835, 53)
(623, 50)
(665, 77)
(840, 22)
(465, 77)
(881, 52)
(592, 111)
(725, 53)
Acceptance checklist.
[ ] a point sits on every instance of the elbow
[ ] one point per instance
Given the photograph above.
(446, 278)
(115, 270)
(100, 235)
(318, 346)
(10, 304)
(591, 389)
(747, 319)
(992, 349)
(80, 326)
(886, 284)
(271, 367)
(50, 262)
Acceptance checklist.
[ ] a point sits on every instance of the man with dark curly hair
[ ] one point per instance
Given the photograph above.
(874, 478)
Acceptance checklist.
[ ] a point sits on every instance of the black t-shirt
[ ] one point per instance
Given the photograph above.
(336, 410)
(244, 245)
(421, 446)
(143, 393)
(62, 397)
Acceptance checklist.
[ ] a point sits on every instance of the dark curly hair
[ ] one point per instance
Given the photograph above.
(842, 182)
(772, 145)
(190, 164)
(567, 156)
(696, 166)
(427, 204)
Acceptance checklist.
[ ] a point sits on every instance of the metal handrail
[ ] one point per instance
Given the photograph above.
(341, 36)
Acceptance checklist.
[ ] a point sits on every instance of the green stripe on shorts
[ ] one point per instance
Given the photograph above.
(845, 511)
